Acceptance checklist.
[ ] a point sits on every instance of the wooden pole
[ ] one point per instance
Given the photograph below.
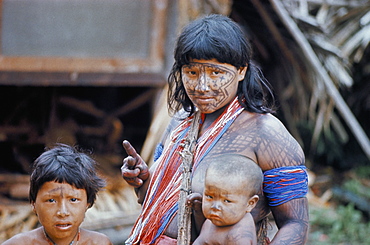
(184, 214)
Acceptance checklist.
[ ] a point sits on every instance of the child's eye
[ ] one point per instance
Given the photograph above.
(215, 72)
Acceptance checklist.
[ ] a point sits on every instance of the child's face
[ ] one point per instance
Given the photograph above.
(225, 202)
(60, 208)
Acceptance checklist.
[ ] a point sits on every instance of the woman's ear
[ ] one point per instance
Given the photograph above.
(241, 72)
(252, 203)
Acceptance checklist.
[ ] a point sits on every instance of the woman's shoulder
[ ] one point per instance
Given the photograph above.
(275, 145)
(260, 122)
(267, 119)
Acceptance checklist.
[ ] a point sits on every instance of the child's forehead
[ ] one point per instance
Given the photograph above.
(56, 183)
(226, 178)
(226, 187)
(55, 188)
(222, 178)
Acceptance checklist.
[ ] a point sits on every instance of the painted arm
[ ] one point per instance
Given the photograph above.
(292, 221)
(280, 149)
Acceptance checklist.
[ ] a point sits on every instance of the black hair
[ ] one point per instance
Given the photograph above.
(66, 164)
(218, 37)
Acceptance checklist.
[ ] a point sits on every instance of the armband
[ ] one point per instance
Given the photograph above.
(283, 184)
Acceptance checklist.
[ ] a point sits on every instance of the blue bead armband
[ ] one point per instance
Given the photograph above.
(283, 184)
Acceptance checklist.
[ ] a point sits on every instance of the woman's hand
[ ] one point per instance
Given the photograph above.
(194, 200)
(134, 170)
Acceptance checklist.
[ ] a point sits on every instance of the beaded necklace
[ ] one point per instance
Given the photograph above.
(51, 242)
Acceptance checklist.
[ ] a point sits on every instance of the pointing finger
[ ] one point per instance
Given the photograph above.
(129, 149)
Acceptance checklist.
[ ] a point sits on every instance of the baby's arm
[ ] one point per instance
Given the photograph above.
(245, 237)
(242, 233)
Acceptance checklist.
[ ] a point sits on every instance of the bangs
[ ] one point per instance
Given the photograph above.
(206, 50)
(206, 40)
(61, 174)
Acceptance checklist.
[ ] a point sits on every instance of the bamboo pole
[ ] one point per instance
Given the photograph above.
(332, 90)
(184, 214)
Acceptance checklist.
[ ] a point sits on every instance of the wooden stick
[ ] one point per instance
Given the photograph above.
(184, 214)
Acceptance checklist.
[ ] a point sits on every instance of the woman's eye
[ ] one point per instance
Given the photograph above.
(192, 73)
(209, 197)
(216, 73)
(51, 200)
(73, 199)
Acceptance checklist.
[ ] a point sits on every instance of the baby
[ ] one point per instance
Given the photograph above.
(64, 184)
(232, 183)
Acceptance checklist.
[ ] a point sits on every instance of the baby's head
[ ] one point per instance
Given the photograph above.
(232, 184)
(65, 164)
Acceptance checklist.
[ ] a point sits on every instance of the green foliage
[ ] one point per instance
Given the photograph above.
(355, 186)
(328, 149)
(363, 171)
(343, 225)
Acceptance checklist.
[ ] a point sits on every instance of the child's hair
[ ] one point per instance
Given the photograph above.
(66, 164)
(238, 166)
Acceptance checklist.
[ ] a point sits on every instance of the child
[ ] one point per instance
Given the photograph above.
(63, 186)
(232, 183)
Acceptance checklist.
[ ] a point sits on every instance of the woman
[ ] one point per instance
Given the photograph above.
(213, 75)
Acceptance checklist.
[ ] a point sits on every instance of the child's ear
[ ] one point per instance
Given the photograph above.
(33, 207)
(252, 203)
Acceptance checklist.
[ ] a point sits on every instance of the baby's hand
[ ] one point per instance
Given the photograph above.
(194, 200)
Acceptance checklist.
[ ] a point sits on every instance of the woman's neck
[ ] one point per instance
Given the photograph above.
(209, 119)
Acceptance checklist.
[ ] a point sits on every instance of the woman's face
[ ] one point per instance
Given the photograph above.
(60, 208)
(210, 84)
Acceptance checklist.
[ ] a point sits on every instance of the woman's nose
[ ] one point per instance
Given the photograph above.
(202, 84)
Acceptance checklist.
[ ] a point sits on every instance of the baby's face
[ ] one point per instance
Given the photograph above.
(225, 202)
(61, 209)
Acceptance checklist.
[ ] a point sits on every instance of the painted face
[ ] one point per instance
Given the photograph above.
(61, 209)
(225, 201)
(210, 84)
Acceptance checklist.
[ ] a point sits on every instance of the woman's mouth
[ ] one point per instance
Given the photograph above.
(204, 100)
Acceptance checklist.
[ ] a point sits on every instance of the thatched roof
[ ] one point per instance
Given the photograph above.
(332, 37)
(309, 51)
